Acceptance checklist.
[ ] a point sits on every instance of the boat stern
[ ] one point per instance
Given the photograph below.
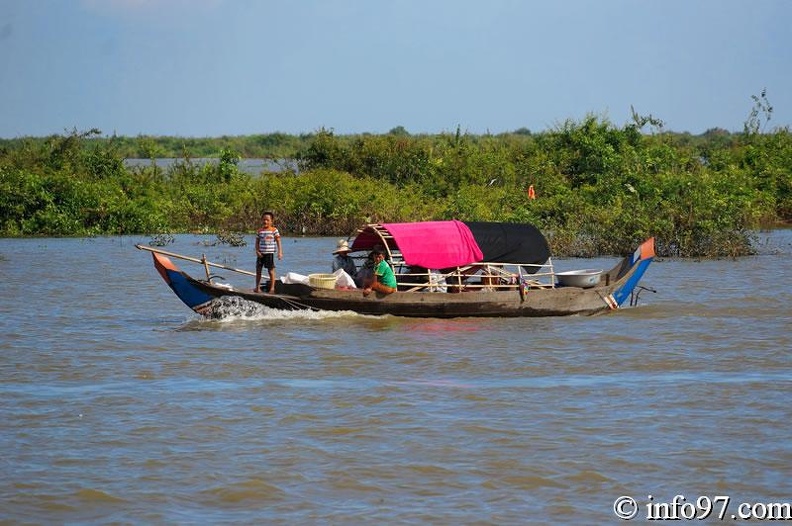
(638, 263)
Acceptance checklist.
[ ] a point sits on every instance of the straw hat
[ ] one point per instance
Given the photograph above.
(343, 246)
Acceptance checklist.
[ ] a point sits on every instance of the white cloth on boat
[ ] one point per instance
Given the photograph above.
(344, 279)
(293, 277)
(437, 281)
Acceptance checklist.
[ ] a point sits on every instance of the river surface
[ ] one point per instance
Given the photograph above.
(120, 406)
(249, 166)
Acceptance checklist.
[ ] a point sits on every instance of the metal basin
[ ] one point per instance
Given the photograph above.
(583, 279)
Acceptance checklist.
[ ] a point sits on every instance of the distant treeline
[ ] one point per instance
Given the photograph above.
(597, 188)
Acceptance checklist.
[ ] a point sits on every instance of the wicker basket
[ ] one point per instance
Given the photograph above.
(322, 281)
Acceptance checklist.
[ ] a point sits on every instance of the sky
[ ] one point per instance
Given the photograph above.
(208, 68)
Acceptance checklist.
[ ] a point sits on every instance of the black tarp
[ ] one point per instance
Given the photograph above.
(511, 243)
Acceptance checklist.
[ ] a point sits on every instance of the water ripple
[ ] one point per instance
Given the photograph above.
(122, 411)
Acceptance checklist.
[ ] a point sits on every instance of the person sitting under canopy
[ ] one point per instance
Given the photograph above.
(384, 280)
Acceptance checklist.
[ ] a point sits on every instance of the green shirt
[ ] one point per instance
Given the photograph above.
(385, 275)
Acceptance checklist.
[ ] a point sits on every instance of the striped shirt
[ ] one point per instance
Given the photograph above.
(265, 240)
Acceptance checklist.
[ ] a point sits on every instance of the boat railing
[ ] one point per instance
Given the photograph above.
(476, 277)
(203, 261)
(483, 276)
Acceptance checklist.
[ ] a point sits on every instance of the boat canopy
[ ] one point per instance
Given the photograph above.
(446, 244)
(429, 244)
(511, 243)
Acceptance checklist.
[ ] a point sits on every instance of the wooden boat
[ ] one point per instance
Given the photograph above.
(445, 269)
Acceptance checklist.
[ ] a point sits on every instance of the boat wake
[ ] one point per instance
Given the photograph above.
(231, 308)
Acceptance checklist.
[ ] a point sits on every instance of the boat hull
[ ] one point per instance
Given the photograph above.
(613, 290)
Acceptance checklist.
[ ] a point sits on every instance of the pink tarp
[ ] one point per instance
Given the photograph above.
(429, 244)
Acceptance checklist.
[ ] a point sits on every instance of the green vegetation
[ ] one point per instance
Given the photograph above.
(600, 189)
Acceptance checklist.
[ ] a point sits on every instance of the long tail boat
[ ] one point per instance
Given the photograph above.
(444, 269)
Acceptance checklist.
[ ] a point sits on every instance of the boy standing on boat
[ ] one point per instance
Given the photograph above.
(267, 241)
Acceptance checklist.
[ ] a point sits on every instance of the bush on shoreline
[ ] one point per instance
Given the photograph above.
(599, 189)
